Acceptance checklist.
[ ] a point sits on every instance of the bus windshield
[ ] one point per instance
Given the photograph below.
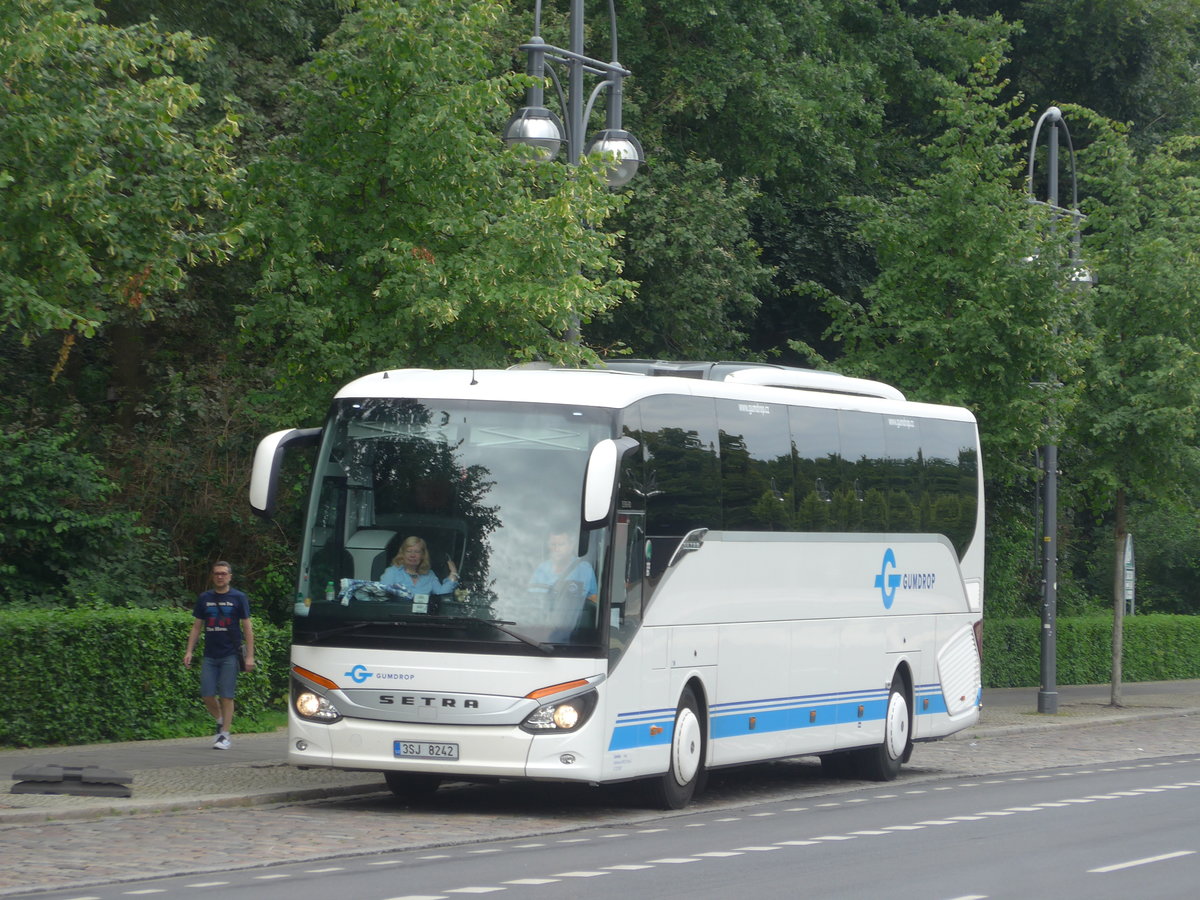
(455, 523)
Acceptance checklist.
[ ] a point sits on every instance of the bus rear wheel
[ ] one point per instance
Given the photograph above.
(411, 785)
(882, 762)
(685, 774)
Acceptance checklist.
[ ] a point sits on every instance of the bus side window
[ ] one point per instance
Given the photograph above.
(681, 474)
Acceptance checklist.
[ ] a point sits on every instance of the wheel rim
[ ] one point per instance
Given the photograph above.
(896, 738)
(685, 746)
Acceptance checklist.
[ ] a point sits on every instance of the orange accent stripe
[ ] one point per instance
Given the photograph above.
(313, 676)
(555, 689)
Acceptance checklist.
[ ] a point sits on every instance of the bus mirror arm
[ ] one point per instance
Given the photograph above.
(268, 458)
(600, 481)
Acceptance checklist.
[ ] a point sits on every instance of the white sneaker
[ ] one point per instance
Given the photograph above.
(222, 742)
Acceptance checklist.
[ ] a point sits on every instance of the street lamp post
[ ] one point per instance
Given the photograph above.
(1047, 701)
(536, 126)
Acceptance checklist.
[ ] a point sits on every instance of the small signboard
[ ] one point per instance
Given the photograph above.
(1129, 574)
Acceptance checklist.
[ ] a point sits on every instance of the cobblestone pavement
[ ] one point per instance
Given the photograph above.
(171, 837)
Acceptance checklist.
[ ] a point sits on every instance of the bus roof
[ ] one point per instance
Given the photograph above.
(626, 382)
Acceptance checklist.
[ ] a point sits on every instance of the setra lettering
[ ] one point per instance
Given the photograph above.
(442, 702)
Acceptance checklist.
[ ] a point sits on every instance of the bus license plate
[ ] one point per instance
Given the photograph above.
(424, 750)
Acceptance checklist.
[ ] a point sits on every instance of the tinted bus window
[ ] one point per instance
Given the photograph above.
(860, 501)
(682, 473)
(951, 471)
(815, 448)
(756, 466)
(902, 442)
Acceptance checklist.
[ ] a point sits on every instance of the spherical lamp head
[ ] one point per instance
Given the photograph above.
(627, 150)
(537, 127)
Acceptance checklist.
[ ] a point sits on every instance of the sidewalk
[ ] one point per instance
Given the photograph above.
(188, 774)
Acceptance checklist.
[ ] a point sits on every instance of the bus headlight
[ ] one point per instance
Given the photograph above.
(564, 715)
(309, 705)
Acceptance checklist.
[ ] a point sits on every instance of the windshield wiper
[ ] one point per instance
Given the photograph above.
(532, 642)
(355, 626)
(499, 625)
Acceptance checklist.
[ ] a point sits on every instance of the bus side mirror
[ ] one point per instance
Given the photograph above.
(268, 458)
(600, 481)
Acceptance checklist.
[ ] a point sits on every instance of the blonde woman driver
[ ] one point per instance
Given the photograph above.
(411, 569)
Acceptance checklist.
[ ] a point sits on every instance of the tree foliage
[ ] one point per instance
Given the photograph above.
(386, 227)
(103, 201)
(697, 276)
(396, 231)
(1140, 420)
(971, 305)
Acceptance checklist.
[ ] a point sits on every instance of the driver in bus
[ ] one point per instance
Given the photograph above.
(411, 569)
(568, 583)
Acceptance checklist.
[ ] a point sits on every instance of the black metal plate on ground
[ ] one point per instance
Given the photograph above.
(90, 781)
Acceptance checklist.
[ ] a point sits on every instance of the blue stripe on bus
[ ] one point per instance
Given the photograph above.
(726, 720)
(641, 734)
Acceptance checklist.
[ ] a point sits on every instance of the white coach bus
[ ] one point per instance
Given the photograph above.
(662, 568)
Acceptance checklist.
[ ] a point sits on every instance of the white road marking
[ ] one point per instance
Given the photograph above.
(1141, 862)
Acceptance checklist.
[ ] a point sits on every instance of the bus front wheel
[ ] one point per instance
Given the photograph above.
(882, 762)
(685, 773)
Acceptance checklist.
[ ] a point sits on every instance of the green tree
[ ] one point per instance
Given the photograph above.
(695, 263)
(809, 100)
(397, 231)
(971, 305)
(104, 202)
(1137, 428)
(1139, 419)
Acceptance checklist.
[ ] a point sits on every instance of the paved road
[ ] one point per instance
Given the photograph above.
(189, 825)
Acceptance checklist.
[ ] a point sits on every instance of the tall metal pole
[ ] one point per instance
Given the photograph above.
(1048, 694)
(575, 123)
(1047, 700)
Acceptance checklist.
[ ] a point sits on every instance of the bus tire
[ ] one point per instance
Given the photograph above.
(685, 773)
(411, 785)
(882, 762)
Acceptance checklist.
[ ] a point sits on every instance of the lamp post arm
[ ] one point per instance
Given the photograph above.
(1074, 181)
(1053, 113)
(587, 112)
(562, 98)
(590, 64)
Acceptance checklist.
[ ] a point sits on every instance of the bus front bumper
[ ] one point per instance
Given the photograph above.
(483, 752)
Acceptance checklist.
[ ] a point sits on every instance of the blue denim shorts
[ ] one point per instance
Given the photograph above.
(218, 677)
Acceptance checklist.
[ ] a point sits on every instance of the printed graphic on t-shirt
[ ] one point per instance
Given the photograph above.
(221, 616)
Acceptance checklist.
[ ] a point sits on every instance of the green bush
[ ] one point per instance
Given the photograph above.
(1154, 648)
(63, 541)
(113, 674)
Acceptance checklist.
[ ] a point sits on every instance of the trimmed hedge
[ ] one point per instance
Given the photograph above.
(1154, 648)
(81, 676)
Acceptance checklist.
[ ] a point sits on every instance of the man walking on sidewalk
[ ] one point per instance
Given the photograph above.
(224, 614)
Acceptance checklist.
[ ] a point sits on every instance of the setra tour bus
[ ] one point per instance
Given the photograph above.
(645, 572)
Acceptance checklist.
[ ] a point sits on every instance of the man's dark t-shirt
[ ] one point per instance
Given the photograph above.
(222, 615)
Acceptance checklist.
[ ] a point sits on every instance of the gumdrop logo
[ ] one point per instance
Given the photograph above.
(886, 581)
